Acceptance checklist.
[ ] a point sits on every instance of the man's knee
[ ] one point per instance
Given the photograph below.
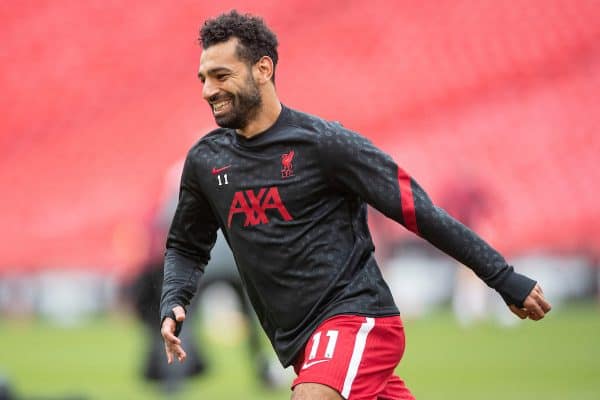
(314, 391)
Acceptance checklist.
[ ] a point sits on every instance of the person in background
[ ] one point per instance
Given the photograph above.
(467, 199)
(145, 292)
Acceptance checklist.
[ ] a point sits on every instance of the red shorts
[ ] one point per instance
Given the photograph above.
(356, 356)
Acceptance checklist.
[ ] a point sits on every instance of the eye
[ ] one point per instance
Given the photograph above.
(222, 77)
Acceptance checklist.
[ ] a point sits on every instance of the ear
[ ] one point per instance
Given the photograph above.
(263, 70)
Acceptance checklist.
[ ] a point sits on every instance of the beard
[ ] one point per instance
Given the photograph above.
(244, 107)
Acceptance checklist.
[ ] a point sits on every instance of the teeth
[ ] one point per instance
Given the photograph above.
(220, 106)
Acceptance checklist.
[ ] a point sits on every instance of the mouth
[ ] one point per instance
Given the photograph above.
(221, 106)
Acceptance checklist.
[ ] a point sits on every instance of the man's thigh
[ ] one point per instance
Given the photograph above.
(314, 391)
(354, 356)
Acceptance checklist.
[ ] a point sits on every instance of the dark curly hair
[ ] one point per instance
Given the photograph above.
(256, 39)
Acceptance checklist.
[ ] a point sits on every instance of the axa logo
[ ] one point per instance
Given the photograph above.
(254, 206)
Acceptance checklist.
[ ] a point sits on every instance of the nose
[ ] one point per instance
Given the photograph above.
(209, 89)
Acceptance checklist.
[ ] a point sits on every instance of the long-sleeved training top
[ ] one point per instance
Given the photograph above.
(292, 204)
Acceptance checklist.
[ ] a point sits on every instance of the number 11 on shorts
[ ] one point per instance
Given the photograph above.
(332, 337)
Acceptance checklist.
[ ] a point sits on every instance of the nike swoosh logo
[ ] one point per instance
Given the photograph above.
(310, 364)
(216, 171)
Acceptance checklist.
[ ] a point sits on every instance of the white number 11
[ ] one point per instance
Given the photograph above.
(329, 350)
(224, 181)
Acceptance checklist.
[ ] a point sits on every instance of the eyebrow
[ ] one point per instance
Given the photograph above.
(214, 71)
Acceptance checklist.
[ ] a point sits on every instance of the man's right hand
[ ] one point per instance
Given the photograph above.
(173, 346)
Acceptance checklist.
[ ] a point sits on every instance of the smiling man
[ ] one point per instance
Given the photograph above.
(290, 192)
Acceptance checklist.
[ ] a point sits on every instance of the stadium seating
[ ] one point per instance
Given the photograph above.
(99, 99)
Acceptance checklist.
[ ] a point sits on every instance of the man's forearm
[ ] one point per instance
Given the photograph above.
(464, 245)
(180, 282)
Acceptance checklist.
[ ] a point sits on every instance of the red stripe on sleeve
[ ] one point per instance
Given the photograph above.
(407, 201)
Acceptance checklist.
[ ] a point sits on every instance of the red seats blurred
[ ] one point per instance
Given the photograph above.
(99, 99)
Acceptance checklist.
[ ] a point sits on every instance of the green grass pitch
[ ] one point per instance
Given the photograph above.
(558, 358)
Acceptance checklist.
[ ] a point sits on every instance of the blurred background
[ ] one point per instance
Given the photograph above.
(493, 106)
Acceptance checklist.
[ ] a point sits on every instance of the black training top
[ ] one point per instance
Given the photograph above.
(291, 203)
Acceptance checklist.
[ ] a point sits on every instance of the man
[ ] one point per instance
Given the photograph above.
(289, 192)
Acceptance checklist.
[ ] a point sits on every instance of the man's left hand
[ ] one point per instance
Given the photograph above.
(535, 306)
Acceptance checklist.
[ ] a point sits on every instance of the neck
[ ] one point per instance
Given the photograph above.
(266, 117)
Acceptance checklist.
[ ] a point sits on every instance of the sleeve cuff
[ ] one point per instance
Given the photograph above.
(171, 314)
(516, 288)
